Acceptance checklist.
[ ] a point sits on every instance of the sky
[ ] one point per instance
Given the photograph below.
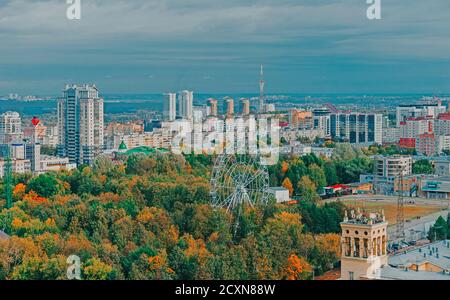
(216, 46)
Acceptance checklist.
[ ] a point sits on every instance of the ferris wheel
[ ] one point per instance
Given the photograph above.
(239, 180)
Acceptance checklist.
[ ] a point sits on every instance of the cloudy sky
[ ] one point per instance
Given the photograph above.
(215, 46)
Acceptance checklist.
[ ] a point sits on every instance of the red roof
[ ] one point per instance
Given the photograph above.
(444, 116)
(340, 186)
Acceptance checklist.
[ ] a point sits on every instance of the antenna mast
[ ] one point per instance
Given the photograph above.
(261, 90)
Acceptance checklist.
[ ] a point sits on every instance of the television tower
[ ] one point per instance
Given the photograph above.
(261, 90)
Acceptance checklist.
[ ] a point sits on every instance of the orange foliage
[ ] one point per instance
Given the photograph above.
(34, 199)
(284, 167)
(288, 185)
(109, 198)
(19, 190)
(296, 268)
(196, 248)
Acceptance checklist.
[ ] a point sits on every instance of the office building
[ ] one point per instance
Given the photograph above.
(80, 123)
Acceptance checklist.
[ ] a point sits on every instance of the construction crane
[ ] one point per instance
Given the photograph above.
(400, 226)
(7, 179)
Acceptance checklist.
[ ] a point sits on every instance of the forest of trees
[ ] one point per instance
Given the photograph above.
(148, 217)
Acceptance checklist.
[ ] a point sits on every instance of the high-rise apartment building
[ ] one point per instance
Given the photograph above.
(170, 106)
(80, 123)
(230, 107)
(245, 107)
(321, 120)
(212, 105)
(185, 104)
(10, 127)
(300, 119)
(405, 111)
(357, 128)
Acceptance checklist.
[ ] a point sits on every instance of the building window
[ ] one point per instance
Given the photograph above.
(351, 276)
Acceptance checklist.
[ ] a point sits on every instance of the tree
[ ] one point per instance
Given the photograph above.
(46, 185)
(296, 268)
(308, 190)
(423, 166)
(439, 231)
(329, 170)
(317, 175)
(288, 185)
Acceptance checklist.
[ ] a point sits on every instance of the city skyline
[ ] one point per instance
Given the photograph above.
(217, 47)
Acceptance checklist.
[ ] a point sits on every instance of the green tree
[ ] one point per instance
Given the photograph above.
(46, 185)
(423, 166)
(307, 190)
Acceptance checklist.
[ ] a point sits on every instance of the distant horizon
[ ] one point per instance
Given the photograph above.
(216, 46)
(254, 94)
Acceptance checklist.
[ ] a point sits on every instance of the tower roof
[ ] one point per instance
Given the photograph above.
(123, 146)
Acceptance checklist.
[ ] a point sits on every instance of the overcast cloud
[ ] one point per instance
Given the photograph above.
(145, 46)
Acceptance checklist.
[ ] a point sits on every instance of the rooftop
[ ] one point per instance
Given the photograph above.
(437, 254)
(390, 273)
(364, 218)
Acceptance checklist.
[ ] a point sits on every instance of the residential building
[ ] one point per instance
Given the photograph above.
(230, 107)
(322, 120)
(10, 127)
(429, 144)
(393, 166)
(185, 104)
(19, 166)
(213, 108)
(170, 107)
(245, 107)
(80, 123)
(357, 128)
(406, 111)
(414, 127)
(299, 119)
